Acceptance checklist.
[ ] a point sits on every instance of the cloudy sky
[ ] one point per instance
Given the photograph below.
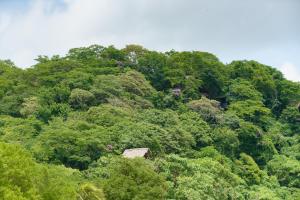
(264, 30)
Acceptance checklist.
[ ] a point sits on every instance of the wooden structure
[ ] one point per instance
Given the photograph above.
(136, 153)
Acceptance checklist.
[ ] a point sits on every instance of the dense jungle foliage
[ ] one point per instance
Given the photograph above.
(215, 131)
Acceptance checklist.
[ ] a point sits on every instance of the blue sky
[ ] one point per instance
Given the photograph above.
(267, 31)
(13, 4)
(23, 6)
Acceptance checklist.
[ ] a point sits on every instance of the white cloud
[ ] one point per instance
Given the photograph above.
(39, 31)
(4, 22)
(290, 71)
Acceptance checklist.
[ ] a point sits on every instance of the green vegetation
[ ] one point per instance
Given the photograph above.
(215, 131)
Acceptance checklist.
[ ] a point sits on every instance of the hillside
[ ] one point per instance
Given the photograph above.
(214, 130)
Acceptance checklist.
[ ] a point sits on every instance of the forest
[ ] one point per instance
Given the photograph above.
(215, 131)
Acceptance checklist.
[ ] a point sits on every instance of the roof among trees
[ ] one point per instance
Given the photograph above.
(137, 152)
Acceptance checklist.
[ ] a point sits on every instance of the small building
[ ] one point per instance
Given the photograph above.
(136, 153)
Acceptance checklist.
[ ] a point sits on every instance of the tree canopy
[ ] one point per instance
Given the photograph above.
(214, 130)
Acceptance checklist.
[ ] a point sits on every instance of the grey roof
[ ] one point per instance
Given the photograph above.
(137, 152)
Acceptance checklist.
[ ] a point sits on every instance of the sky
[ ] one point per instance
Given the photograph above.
(264, 30)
